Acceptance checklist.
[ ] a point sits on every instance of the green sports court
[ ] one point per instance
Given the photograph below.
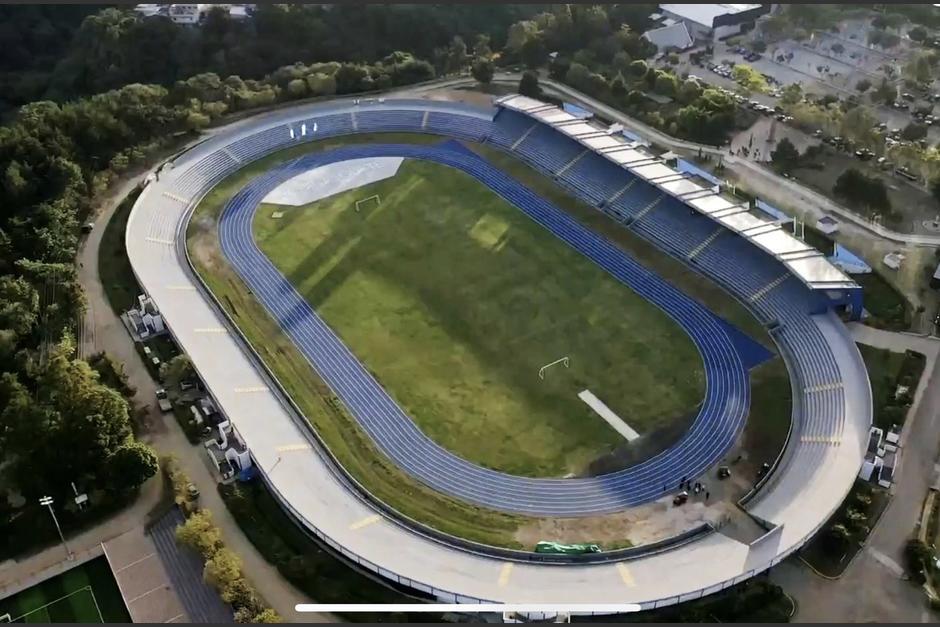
(85, 594)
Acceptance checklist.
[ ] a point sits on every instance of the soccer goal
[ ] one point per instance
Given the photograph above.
(563, 361)
(5, 618)
(365, 202)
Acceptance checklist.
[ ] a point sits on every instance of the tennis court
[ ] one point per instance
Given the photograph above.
(85, 594)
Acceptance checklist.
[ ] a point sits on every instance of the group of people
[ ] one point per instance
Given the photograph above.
(697, 488)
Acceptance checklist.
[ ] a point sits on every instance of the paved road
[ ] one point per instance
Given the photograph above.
(165, 435)
(888, 598)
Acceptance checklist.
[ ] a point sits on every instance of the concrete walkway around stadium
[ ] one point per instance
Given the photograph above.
(888, 597)
(164, 434)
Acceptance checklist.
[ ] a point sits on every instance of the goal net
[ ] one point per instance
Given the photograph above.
(368, 202)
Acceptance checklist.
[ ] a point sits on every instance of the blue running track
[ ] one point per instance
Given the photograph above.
(719, 421)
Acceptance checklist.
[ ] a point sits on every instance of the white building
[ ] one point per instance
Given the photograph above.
(186, 13)
(708, 22)
(145, 321)
(193, 14)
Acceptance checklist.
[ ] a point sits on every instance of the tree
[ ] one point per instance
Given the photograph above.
(266, 616)
(856, 520)
(239, 594)
(482, 71)
(867, 193)
(519, 34)
(839, 535)
(481, 47)
(111, 373)
(689, 92)
(919, 69)
(858, 124)
(639, 68)
(297, 88)
(19, 305)
(321, 84)
(913, 132)
(130, 465)
(791, 94)
(456, 55)
(918, 559)
(863, 85)
(885, 92)
(837, 48)
(749, 79)
(179, 368)
(200, 534)
(558, 69)
(529, 85)
(666, 84)
(534, 53)
(935, 189)
(785, 156)
(918, 34)
(222, 569)
(578, 76)
(618, 87)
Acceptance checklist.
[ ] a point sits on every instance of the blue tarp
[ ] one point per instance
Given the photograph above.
(849, 261)
(687, 167)
(577, 111)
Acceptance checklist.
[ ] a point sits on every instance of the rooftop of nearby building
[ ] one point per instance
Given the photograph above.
(705, 14)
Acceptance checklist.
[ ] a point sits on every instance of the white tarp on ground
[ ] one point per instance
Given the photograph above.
(331, 179)
(607, 414)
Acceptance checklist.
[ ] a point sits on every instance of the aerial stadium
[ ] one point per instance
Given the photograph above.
(469, 332)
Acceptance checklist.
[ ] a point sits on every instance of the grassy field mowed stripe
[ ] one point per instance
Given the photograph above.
(455, 298)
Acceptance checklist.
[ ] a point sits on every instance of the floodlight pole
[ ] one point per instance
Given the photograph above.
(47, 501)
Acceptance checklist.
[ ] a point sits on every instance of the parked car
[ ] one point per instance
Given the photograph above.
(163, 402)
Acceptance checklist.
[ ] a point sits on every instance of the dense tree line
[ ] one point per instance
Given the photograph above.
(64, 419)
(52, 57)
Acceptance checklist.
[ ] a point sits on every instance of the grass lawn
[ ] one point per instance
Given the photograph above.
(766, 431)
(347, 442)
(887, 306)
(84, 594)
(453, 298)
(114, 268)
(887, 370)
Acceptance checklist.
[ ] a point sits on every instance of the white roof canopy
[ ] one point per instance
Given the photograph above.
(804, 261)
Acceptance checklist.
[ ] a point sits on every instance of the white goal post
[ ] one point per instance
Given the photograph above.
(563, 361)
(375, 197)
(5, 618)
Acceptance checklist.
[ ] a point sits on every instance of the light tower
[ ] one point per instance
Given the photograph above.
(47, 501)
